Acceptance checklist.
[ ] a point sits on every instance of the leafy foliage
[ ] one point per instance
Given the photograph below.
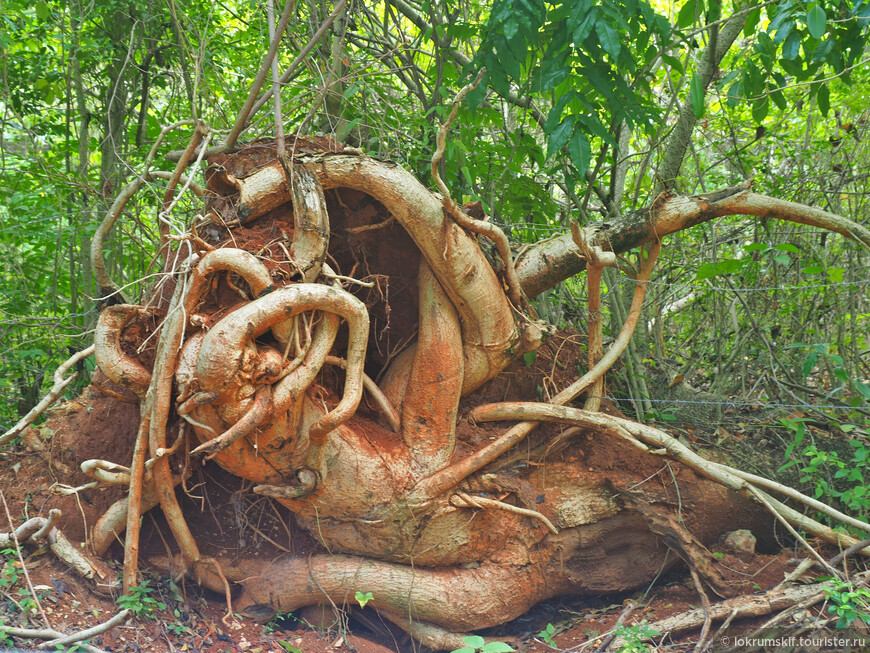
(848, 603)
(140, 602)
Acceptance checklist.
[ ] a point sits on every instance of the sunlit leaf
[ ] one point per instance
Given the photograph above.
(816, 20)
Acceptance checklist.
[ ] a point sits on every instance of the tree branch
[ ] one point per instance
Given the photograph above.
(721, 40)
(544, 265)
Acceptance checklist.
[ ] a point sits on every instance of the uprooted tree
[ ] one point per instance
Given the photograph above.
(349, 342)
(307, 276)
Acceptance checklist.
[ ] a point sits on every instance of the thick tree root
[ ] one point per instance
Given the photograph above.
(115, 364)
(663, 444)
(449, 476)
(446, 597)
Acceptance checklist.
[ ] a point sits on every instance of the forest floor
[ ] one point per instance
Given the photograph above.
(223, 512)
(187, 619)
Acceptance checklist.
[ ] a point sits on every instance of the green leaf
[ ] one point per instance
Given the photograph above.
(687, 14)
(812, 269)
(363, 598)
(727, 266)
(816, 20)
(696, 96)
(559, 138)
(552, 71)
(788, 247)
(475, 641)
(809, 363)
(609, 38)
(823, 97)
(510, 27)
(529, 357)
(735, 94)
(287, 646)
(42, 10)
(760, 109)
(791, 49)
(673, 62)
(584, 27)
(580, 151)
(751, 22)
(782, 259)
(496, 647)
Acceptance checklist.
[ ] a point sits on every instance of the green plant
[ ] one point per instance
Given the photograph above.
(139, 602)
(362, 599)
(633, 637)
(848, 603)
(477, 643)
(547, 635)
(176, 626)
(287, 646)
(29, 603)
(660, 415)
(9, 574)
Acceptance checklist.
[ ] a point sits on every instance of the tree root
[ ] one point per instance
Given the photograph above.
(741, 607)
(446, 597)
(152, 435)
(696, 556)
(114, 363)
(430, 635)
(380, 399)
(481, 227)
(664, 444)
(259, 411)
(596, 260)
(463, 500)
(488, 325)
(223, 346)
(448, 477)
(37, 529)
(310, 220)
(546, 263)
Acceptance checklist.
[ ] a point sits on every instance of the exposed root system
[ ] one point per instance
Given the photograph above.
(337, 338)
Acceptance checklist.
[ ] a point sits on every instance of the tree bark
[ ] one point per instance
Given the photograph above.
(549, 262)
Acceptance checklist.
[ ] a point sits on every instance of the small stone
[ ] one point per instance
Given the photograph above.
(741, 541)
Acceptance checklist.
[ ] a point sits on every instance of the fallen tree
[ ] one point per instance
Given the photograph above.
(332, 332)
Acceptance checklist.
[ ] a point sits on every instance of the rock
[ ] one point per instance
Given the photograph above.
(741, 541)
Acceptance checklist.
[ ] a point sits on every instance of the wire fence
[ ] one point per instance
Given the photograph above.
(733, 404)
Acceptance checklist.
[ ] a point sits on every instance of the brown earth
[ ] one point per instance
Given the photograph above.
(228, 519)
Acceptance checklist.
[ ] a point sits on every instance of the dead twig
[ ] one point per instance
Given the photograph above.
(44, 633)
(246, 111)
(629, 608)
(87, 633)
(60, 384)
(705, 606)
(24, 571)
(481, 227)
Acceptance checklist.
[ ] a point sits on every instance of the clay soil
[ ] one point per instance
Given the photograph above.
(227, 518)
